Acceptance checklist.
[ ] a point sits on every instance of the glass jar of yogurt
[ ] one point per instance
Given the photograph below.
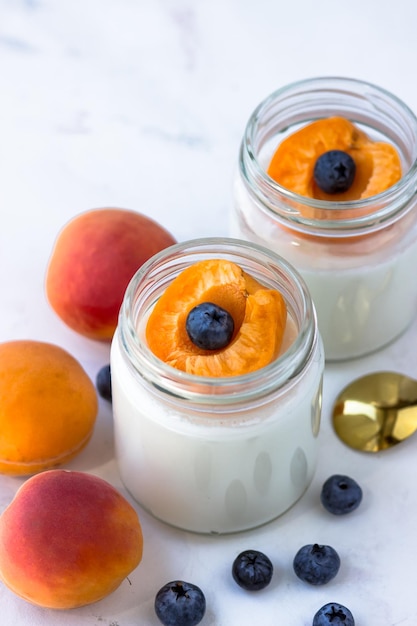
(357, 258)
(216, 455)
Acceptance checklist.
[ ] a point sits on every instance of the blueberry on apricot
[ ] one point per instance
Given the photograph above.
(209, 326)
(334, 171)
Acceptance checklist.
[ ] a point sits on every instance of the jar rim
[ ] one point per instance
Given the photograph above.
(204, 389)
(390, 202)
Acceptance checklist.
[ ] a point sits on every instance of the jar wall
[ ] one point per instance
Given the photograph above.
(223, 476)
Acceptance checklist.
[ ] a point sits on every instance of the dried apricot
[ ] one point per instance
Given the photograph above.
(259, 318)
(378, 164)
(48, 407)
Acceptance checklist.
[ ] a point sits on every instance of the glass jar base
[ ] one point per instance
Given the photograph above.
(217, 529)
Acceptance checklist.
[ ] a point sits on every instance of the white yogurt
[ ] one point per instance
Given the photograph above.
(216, 456)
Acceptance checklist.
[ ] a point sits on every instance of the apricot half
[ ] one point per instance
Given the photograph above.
(378, 164)
(48, 407)
(259, 316)
(68, 539)
(94, 257)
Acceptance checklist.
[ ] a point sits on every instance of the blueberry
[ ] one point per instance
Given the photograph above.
(334, 171)
(209, 326)
(340, 494)
(103, 383)
(333, 613)
(179, 603)
(252, 570)
(316, 564)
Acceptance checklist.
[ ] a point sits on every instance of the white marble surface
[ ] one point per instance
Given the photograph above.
(142, 104)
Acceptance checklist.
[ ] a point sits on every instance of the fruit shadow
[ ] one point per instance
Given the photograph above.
(99, 451)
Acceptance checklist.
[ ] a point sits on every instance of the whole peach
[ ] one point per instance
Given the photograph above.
(68, 539)
(93, 259)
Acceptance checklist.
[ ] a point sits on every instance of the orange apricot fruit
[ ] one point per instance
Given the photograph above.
(48, 407)
(68, 539)
(378, 164)
(259, 315)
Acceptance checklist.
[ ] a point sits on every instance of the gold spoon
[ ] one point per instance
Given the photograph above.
(376, 411)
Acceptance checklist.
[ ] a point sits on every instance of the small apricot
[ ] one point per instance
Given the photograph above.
(48, 407)
(68, 539)
(94, 257)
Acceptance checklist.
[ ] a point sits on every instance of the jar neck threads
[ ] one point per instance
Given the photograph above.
(305, 101)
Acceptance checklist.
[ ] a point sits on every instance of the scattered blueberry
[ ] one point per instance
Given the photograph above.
(340, 494)
(209, 326)
(179, 603)
(252, 570)
(334, 171)
(103, 383)
(316, 564)
(333, 613)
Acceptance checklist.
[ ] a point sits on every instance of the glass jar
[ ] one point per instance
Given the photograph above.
(357, 258)
(216, 455)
